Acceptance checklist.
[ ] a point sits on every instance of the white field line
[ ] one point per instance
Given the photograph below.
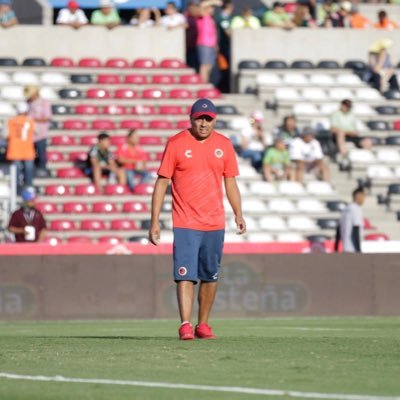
(228, 389)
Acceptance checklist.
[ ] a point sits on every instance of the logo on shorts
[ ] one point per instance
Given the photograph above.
(188, 153)
(215, 276)
(218, 153)
(182, 271)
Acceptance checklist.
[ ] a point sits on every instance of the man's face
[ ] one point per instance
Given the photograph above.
(290, 124)
(346, 109)
(105, 144)
(72, 10)
(106, 10)
(280, 145)
(30, 203)
(308, 138)
(279, 10)
(360, 198)
(4, 8)
(133, 139)
(170, 10)
(202, 126)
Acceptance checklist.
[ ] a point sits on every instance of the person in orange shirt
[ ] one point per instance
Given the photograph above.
(357, 20)
(20, 148)
(198, 161)
(384, 22)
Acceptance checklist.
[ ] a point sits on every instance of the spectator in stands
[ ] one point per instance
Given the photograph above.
(245, 20)
(27, 223)
(341, 17)
(101, 162)
(302, 17)
(40, 111)
(357, 20)
(20, 148)
(7, 14)
(384, 22)
(288, 130)
(192, 13)
(276, 162)
(207, 39)
(350, 228)
(306, 152)
(173, 18)
(146, 18)
(133, 159)
(324, 11)
(107, 15)
(278, 17)
(382, 68)
(72, 16)
(344, 127)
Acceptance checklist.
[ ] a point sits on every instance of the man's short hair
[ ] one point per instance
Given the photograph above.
(382, 14)
(348, 103)
(103, 135)
(131, 132)
(277, 4)
(357, 191)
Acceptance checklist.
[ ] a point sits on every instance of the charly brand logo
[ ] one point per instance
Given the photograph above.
(16, 301)
(182, 271)
(188, 153)
(205, 105)
(218, 153)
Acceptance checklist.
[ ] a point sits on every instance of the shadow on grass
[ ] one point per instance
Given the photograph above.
(142, 338)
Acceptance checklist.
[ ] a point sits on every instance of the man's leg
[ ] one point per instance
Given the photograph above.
(29, 172)
(185, 294)
(299, 173)
(207, 292)
(341, 142)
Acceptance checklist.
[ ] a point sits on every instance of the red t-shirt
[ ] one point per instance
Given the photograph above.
(133, 154)
(196, 169)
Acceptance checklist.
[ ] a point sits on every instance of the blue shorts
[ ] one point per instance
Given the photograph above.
(197, 254)
(206, 55)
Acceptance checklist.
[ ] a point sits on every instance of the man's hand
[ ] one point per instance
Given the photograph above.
(154, 233)
(241, 225)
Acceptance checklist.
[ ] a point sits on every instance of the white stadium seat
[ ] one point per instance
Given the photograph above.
(232, 237)
(247, 171)
(291, 188)
(295, 79)
(361, 156)
(368, 94)
(4, 190)
(311, 206)
(320, 124)
(272, 224)
(243, 188)
(361, 126)
(48, 93)
(251, 224)
(322, 80)
(363, 109)
(319, 188)
(25, 78)
(305, 109)
(289, 237)
(328, 108)
(240, 123)
(287, 94)
(262, 188)
(54, 78)
(397, 171)
(388, 156)
(167, 237)
(340, 94)
(379, 172)
(281, 206)
(314, 94)
(254, 206)
(301, 223)
(259, 237)
(4, 78)
(268, 79)
(12, 93)
(348, 80)
(7, 110)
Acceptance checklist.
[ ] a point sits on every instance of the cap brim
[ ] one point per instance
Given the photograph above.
(200, 114)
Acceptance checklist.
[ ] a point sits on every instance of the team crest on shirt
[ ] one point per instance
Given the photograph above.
(218, 153)
(188, 153)
(182, 271)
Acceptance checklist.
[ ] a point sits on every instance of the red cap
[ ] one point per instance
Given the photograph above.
(73, 4)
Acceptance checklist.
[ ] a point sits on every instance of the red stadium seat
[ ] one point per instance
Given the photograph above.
(93, 225)
(134, 79)
(143, 188)
(52, 240)
(171, 110)
(110, 240)
(86, 109)
(118, 140)
(184, 124)
(144, 63)
(117, 63)
(65, 62)
(172, 63)
(57, 190)
(163, 79)
(46, 207)
(161, 124)
(70, 173)
(376, 237)
(123, 225)
(104, 207)
(89, 140)
(103, 124)
(115, 189)
(89, 63)
(79, 239)
(368, 225)
(75, 124)
(63, 140)
(132, 124)
(151, 140)
(396, 125)
(209, 93)
(62, 225)
(108, 79)
(75, 208)
(143, 110)
(180, 94)
(78, 156)
(54, 156)
(125, 94)
(159, 156)
(192, 79)
(97, 94)
(134, 207)
(115, 110)
(86, 190)
(153, 94)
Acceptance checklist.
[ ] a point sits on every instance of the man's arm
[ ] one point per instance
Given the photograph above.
(16, 230)
(42, 235)
(233, 194)
(157, 200)
(356, 239)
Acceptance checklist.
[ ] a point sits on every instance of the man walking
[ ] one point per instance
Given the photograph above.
(197, 161)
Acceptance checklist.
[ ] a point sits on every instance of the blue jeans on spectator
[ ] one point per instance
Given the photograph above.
(29, 171)
(130, 177)
(254, 156)
(41, 160)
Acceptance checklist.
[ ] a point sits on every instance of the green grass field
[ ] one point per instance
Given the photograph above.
(341, 356)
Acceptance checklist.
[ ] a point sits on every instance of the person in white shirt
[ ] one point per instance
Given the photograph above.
(172, 18)
(72, 16)
(306, 152)
(143, 18)
(350, 228)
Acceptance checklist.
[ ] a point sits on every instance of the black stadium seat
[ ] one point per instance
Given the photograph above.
(139, 239)
(276, 64)
(375, 140)
(328, 64)
(60, 109)
(302, 64)
(387, 110)
(392, 95)
(70, 94)
(336, 205)
(8, 62)
(357, 65)
(327, 223)
(394, 188)
(393, 141)
(53, 124)
(81, 78)
(317, 238)
(378, 125)
(221, 124)
(249, 64)
(227, 110)
(34, 62)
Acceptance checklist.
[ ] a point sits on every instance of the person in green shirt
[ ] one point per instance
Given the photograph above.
(276, 162)
(107, 15)
(245, 20)
(277, 17)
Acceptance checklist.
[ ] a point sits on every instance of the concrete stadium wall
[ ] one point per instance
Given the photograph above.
(140, 286)
(91, 41)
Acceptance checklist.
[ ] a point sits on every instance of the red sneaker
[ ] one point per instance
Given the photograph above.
(204, 331)
(186, 331)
